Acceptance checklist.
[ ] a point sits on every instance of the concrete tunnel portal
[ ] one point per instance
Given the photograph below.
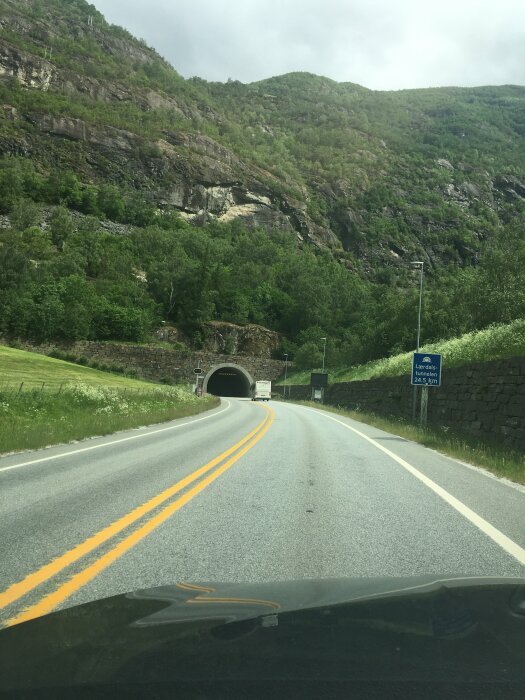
(228, 380)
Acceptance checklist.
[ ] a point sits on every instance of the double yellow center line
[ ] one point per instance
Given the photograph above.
(48, 602)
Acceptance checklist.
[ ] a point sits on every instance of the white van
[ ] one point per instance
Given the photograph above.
(261, 390)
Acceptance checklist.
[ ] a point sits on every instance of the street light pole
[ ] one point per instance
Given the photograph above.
(285, 372)
(420, 265)
(324, 351)
(324, 356)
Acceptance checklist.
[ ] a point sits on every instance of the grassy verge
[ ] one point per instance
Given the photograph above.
(45, 401)
(33, 369)
(493, 343)
(498, 460)
(34, 419)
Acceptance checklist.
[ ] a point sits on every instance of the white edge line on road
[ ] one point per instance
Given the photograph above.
(498, 537)
(114, 442)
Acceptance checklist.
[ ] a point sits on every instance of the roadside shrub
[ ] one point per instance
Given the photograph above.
(58, 354)
(308, 356)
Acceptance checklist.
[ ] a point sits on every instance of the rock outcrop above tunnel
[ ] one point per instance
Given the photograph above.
(252, 340)
(226, 339)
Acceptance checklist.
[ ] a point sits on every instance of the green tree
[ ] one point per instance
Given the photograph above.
(79, 301)
(14, 261)
(61, 226)
(25, 213)
(89, 201)
(63, 187)
(11, 183)
(308, 356)
(112, 321)
(37, 244)
(111, 202)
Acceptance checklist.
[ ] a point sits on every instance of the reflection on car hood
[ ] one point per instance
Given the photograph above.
(358, 634)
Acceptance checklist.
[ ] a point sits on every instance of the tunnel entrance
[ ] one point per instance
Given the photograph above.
(228, 380)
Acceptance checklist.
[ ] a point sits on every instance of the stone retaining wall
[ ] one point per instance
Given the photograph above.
(158, 363)
(485, 400)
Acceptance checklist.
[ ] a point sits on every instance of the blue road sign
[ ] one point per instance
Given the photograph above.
(426, 369)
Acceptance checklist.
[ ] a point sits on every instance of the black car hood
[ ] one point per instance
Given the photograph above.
(215, 639)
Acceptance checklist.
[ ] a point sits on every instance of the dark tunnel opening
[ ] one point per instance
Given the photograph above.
(229, 381)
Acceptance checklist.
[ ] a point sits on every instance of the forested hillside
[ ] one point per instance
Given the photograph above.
(130, 196)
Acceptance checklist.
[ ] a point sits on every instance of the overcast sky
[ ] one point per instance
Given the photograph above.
(381, 44)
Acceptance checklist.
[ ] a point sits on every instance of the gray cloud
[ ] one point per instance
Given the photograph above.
(382, 44)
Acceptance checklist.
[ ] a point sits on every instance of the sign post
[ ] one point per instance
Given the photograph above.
(318, 383)
(424, 407)
(426, 371)
(199, 376)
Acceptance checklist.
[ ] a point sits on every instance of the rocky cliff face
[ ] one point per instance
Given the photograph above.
(184, 170)
(378, 178)
(30, 71)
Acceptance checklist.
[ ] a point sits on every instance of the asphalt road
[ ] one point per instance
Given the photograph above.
(246, 492)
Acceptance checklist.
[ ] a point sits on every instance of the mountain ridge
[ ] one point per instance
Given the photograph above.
(318, 197)
(342, 185)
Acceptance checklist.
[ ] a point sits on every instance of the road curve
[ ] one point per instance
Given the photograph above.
(246, 492)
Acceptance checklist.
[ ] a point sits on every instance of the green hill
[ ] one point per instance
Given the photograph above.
(493, 343)
(131, 196)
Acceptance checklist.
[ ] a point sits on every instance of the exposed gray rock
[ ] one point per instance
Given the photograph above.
(397, 250)
(30, 71)
(510, 186)
(78, 130)
(349, 226)
(209, 181)
(463, 195)
(470, 190)
(342, 188)
(214, 157)
(73, 84)
(252, 340)
(445, 163)
(10, 112)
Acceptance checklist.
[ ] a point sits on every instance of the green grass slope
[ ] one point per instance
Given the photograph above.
(493, 343)
(17, 366)
(44, 402)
